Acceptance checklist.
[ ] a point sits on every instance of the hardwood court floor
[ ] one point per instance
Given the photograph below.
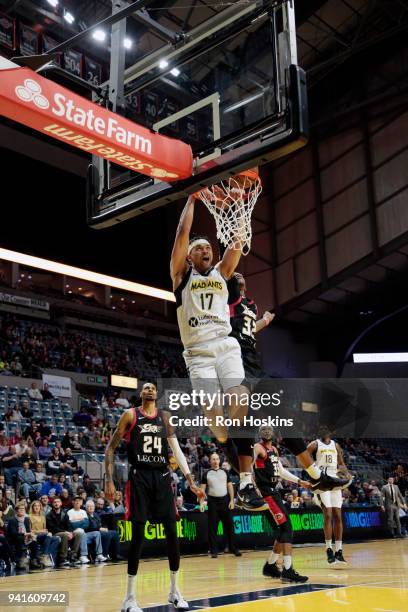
(376, 580)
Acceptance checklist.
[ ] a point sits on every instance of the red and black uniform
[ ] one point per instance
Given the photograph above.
(266, 473)
(243, 316)
(149, 491)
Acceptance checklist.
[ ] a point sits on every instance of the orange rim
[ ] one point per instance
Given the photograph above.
(252, 174)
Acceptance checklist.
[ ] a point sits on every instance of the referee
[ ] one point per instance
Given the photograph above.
(220, 498)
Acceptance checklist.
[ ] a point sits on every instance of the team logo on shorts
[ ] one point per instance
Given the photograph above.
(193, 322)
(279, 516)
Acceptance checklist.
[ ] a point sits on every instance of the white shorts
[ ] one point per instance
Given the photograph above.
(219, 362)
(329, 499)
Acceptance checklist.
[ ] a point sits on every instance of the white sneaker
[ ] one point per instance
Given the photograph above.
(130, 605)
(177, 600)
(83, 559)
(100, 559)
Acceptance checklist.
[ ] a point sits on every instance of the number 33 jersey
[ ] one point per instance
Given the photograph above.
(202, 307)
(146, 441)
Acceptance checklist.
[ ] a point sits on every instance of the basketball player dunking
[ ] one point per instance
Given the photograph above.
(211, 355)
(268, 470)
(244, 323)
(149, 493)
(329, 456)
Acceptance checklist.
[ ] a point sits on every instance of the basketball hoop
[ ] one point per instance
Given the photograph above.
(231, 203)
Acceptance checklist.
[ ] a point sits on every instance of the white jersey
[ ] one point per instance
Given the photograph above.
(202, 307)
(327, 456)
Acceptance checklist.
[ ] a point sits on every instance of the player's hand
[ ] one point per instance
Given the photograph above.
(110, 490)
(305, 484)
(231, 505)
(199, 493)
(268, 317)
(382, 509)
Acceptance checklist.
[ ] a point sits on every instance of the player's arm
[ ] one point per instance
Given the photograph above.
(259, 451)
(340, 458)
(123, 424)
(229, 262)
(178, 264)
(312, 447)
(180, 458)
(267, 318)
(286, 475)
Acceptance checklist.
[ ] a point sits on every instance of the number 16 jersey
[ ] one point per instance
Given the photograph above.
(146, 441)
(202, 307)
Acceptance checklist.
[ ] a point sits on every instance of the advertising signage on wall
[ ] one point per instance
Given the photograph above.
(254, 530)
(7, 31)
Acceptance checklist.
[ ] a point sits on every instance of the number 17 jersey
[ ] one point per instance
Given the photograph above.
(202, 307)
(146, 441)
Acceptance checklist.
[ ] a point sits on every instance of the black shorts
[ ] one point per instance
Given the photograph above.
(252, 365)
(149, 496)
(275, 503)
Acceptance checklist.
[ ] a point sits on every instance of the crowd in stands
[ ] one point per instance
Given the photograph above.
(25, 346)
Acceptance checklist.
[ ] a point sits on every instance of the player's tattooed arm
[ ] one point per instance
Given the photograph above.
(178, 264)
(123, 424)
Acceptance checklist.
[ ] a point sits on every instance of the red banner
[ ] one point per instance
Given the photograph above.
(41, 104)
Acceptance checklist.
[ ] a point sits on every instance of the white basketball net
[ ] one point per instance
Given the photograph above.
(231, 203)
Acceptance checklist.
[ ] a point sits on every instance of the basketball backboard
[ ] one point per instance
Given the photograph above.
(230, 87)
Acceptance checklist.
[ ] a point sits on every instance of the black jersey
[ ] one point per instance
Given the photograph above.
(243, 315)
(147, 445)
(266, 469)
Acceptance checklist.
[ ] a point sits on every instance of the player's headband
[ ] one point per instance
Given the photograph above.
(196, 243)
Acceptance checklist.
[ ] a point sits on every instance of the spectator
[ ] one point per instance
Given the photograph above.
(12, 464)
(22, 539)
(44, 451)
(25, 410)
(26, 478)
(118, 507)
(46, 393)
(66, 500)
(180, 504)
(40, 475)
(3, 486)
(80, 520)
(62, 479)
(59, 525)
(34, 393)
(47, 543)
(54, 463)
(4, 445)
(101, 507)
(109, 538)
(75, 483)
(70, 463)
(51, 487)
(45, 507)
(89, 486)
(122, 402)
(31, 430)
(44, 430)
(5, 550)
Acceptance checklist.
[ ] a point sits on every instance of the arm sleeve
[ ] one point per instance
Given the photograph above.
(204, 478)
(286, 475)
(178, 454)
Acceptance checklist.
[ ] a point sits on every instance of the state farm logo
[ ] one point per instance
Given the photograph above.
(32, 92)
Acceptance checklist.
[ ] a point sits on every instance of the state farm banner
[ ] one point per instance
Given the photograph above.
(19, 300)
(60, 386)
(41, 104)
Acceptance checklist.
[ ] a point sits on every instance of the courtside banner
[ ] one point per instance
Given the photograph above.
(41, 104)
